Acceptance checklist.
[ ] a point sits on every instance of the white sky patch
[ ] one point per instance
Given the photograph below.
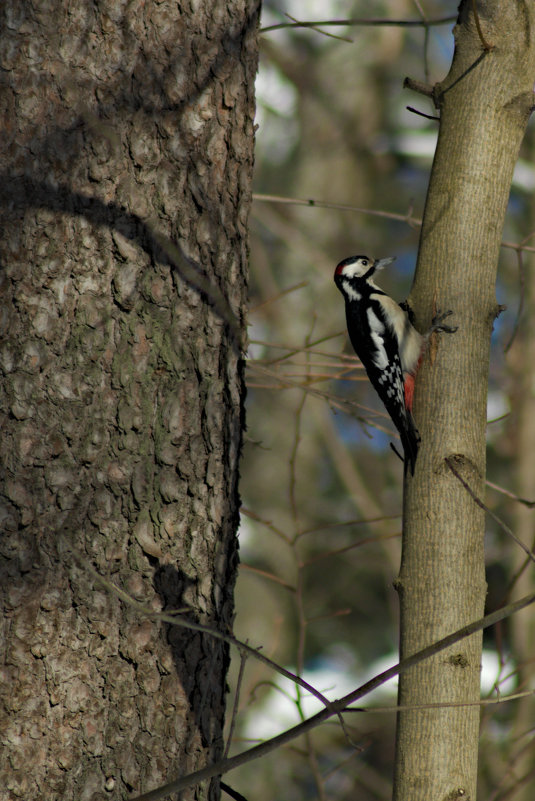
(276, 96)
(274, 91)
(311, 11)
(497, 405)
(278, 711)
(257, 330)
(276, 114)
(422, 145)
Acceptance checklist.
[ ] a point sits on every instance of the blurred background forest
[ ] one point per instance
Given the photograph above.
(321, 487)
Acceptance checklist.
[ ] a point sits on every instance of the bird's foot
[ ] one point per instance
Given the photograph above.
(438, 325)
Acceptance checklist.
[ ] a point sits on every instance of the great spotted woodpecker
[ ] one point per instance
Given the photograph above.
(387, 343)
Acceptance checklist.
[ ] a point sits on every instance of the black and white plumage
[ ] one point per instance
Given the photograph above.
(385, 341)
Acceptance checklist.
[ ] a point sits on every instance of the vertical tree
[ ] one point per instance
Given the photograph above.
(522, 437)
(126, 161)
(485, 103)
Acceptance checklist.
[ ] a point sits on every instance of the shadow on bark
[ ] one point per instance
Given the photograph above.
(197, 656)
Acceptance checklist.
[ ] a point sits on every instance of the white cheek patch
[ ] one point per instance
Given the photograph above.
(351, 293)
(355, 270)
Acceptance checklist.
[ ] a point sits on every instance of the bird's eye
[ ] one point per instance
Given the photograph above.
(364, 262)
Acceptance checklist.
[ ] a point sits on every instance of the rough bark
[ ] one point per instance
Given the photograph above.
(124, 127)
(485, 103)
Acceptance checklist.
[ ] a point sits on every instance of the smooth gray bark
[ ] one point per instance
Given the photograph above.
(485, 103)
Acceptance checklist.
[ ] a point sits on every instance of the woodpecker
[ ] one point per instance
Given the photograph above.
(386, 342)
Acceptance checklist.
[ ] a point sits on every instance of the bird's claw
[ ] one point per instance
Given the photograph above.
(437, 323)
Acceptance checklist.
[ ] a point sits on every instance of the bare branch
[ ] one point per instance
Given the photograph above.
(418, 86)
(442, 704)
(338, 551)
(408, 218)
(340, 206)
(486, 45)
(486, 509)
(509, 494)
(243, 660)
(422, 114)
(226, 765)
(318, 30)
(182, 622)
(522, 286)
(266, 575)
(280, 295)
(362, 22)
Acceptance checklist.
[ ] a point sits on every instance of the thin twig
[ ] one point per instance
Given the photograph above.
(422, 114)
(340, 206)
(498, 419)
(278, 296)
(486, 509)
(235, 707)
(231, 792)
(174, 620)
(524, 501)
(358, 22)
(486, 45)
(516, 577)
(426, 39)
(347, 357)
(472, 66)
(334, 400)
(292, 464)
(360, 543)
(329, 615)
(522, 283)
(267, 523)
(318, 30)
(266, 575)
(440, 705)
(418, 86)
(346, 523)
(408, 218)
(314, 767)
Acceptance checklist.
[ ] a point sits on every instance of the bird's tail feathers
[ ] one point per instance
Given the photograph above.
(410, 439)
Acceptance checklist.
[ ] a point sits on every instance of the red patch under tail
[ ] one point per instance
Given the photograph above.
(410, 379)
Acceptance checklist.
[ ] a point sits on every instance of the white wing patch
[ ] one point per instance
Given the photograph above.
(377, 330)
(409, 341)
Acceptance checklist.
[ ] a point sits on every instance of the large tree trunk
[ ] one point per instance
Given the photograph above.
(485, 103)
(125, 128)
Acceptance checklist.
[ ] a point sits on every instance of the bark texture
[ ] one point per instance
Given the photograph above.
(125, 127)
(485, 103)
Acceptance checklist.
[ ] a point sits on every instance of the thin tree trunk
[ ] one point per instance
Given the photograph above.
(485, 103)
(521, 762)
(126, 162)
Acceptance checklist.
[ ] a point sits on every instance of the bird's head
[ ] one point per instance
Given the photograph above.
(352, 271)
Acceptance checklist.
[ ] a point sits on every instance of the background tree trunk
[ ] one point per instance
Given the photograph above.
(485, 103)
(521, 767)
(124, 128)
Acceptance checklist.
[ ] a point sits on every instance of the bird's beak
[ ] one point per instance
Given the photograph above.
(380, 263)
